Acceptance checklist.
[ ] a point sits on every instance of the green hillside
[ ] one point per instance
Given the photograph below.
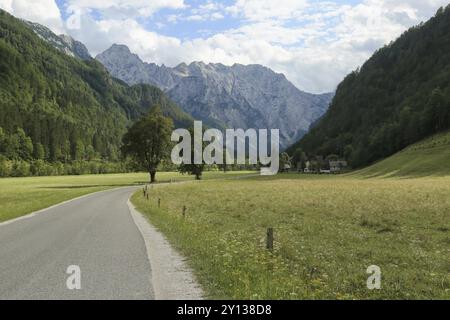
(58, 108)
(398, 97)
(429, 157)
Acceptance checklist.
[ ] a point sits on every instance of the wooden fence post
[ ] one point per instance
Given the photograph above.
(269, 244)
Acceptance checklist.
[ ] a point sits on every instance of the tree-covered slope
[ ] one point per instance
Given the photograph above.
(399, 96)
(69, 108)
(430, 156)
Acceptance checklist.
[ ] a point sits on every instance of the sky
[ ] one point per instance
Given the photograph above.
(315, 43)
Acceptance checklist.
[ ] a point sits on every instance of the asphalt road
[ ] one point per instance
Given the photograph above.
(96, 233)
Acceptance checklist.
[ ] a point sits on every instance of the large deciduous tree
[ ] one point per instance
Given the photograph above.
(148, 141)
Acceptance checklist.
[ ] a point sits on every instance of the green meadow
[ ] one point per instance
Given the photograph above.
(327, 230)
(19, 196)
(430, 157)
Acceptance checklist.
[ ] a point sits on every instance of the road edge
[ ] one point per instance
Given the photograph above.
(172, 279)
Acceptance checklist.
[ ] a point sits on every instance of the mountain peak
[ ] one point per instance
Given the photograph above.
(118, 52)
(120, 47)
(239, 96)
(64, 43)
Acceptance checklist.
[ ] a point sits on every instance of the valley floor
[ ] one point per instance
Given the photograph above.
(328, 231)
(20, 196)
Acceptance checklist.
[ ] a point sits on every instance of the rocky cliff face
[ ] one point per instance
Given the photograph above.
(63, 42)
(239, 96)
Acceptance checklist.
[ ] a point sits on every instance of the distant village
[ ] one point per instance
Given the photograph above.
(332, 164)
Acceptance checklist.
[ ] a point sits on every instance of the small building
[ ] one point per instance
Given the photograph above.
(286, 167)
(338, 165)
(307, 167)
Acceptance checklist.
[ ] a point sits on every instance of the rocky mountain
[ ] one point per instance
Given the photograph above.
(62, 42)
(237, 96)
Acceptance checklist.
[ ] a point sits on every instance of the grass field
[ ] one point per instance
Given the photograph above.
(328, 230)
(19, 196)
(430, 157)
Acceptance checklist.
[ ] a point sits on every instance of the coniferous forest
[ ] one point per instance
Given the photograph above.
(399, 96)
(63, 115)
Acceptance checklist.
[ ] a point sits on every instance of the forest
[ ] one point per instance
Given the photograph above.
(58, 112)
(399, 96)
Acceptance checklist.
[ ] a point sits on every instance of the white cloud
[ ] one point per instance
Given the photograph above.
(111, 9)
(195, 17)
(6, 5)
(210, 11)
(314, 43)
(149, 45)
(259, 10)
(45, 12)
(217, 16)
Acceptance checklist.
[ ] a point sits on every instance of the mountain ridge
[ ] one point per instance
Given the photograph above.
(67, 107)
(398, 97)
(237, 96)
(63, 42)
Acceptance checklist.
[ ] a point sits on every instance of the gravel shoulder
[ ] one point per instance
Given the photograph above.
(171, 277)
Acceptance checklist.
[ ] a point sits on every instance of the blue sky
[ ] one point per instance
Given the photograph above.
(315, 43)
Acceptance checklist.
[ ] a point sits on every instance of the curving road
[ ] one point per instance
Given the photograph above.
(96, 233)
